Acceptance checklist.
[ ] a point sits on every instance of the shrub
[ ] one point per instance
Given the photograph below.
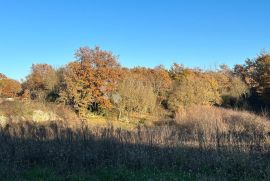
(20, 111)
(208, 123)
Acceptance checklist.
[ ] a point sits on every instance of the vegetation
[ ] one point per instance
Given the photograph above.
(194, 87)
(9, 88)
(89, 81)
(41, 82)
(255, 73)
(96, 83)
(134, 96)
(210, 143)
(94, 119)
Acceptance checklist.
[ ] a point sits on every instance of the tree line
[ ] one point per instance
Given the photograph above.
(96, 83)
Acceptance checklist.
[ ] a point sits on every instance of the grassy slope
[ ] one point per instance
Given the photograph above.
(25, 110)
(149, 148)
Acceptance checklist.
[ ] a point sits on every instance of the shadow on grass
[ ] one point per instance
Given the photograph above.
(52, 152)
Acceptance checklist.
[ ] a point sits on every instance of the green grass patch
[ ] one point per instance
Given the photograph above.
(102, 174)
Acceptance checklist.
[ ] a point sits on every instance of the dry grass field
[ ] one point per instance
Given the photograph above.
(204, 143)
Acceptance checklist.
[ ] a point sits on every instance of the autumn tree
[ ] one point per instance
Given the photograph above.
(158, 78)
(134, 96)
(193, 87)
(176, 71)
(256, 74)
(232, 88)
(89, 81)
(9, 88)
(41, 81)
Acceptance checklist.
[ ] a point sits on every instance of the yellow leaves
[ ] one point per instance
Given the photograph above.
(256, 74)
(158, 77)
(194, 88)
(135, 96)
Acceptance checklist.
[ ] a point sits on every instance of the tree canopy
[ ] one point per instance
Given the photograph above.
(96, 83)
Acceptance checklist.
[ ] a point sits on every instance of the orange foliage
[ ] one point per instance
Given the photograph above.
(90, 80)
(9, 88)
(41, 81)
(41, 78)
(158, 78)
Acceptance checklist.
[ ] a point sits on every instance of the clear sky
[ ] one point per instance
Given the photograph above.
(201, 33)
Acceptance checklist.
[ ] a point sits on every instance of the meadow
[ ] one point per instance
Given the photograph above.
(93, 119)
(201, 143)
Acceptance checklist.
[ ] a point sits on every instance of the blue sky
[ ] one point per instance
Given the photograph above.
(142, 32)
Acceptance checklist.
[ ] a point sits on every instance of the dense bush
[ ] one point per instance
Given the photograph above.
(33, 111)
(255, 73)
(206, 123)
(194, 88)
(134, 95)
(96, 83)
(9, 88)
